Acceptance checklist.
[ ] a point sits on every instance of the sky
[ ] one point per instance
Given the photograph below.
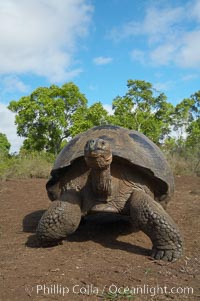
(98, 45)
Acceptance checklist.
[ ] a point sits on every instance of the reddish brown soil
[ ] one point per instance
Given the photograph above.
(99, 256)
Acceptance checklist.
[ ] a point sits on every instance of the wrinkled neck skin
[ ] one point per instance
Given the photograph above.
(101, 181)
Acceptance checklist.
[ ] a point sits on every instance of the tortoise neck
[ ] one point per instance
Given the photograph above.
(101, 181)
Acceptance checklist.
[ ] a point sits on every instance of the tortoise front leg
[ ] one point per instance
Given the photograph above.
(61, 219)
(149, 216)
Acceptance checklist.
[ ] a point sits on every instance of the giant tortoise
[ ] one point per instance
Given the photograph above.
(116, 170)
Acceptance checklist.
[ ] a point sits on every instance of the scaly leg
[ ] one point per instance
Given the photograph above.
(149, 216)
(62, 218)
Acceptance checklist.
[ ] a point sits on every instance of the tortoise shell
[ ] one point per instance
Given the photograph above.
(128, 145)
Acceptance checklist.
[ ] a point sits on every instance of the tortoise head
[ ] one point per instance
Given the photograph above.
(98, 154)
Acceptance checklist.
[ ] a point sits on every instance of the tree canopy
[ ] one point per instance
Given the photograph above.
(193, 127)
(86, 117)
(44, 118)
(143, 109)
(4, 144)
(50, 116)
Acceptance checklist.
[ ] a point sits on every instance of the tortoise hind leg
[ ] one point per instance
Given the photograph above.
(61, 219)
(149, 216)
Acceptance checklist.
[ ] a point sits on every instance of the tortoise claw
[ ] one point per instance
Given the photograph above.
(166, 255)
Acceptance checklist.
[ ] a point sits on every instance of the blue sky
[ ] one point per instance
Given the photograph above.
(99, 45)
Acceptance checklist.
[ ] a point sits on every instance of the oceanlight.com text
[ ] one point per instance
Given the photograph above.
(113, 289)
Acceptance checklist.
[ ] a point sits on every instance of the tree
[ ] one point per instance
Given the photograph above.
(4, 144)
(193, 138)
(186, 123)
(183, 116)
(186, 118)
(193, 129)
(44, 118)
(196, 106)
(143, 109)
(85, 118)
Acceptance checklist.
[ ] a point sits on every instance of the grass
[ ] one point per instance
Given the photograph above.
(33, 165)
(188, 165)
(39, 165)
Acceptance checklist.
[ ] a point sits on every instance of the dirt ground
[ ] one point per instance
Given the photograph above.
(101, 261)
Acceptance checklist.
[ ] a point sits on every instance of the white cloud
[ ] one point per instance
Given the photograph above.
(138, 55)
(163, 86)
(40, 37)
(184, 53)
(102, 60)
(163, 54)
(195, 9)
(69, 74)
(8, 127)
(108, 108)
(189, 52)
(172, 35)
(92, 87)
(13, 83)
(161, 21)
(189, 77)
(155, 24)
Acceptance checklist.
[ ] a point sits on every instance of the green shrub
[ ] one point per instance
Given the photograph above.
(39, 164)
(5, 163)
(24, 165)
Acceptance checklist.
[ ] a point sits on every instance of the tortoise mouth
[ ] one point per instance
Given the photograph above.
(98, 160)
(94, 154)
